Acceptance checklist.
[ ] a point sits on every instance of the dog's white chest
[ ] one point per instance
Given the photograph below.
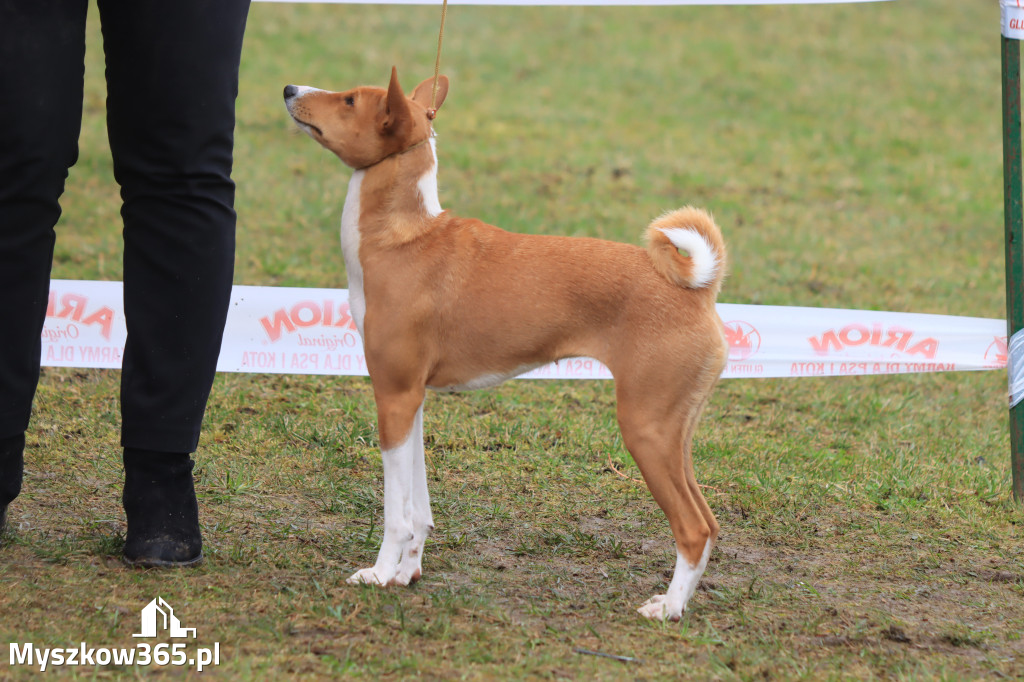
(427, 186)
(350, 249)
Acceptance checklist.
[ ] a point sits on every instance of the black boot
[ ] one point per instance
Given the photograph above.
(12, 465)
(160, 504)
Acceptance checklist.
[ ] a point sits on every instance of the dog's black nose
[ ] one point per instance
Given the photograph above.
(290, 91)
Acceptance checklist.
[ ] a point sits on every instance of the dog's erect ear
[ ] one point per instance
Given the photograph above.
(424, 92)
(396, 108)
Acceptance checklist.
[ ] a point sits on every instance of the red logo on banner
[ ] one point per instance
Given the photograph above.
(857, 334)
(75, 307)
(743, 338)
(996, 353)
(308, 314)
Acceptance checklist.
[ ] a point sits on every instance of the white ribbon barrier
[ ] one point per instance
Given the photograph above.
(1015, 367)
(581, 3)
(282, 330)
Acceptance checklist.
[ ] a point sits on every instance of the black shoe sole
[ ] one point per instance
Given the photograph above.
(148, 562)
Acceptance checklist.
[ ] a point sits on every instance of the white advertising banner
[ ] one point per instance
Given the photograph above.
(84, 325)
(780, 341)
(280, 330)
(1012, 14)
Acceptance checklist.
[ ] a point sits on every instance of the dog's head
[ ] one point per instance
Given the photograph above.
(365, 125)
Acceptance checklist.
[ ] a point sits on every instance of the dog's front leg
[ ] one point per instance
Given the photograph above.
(398, 530)
(400, 466)
(422, 519)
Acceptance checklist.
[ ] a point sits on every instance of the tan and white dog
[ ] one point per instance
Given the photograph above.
(451, 303)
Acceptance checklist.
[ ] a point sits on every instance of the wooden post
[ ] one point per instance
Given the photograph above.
(1013, 217)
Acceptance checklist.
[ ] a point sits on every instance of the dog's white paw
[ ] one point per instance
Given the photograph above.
(406, 576)
(409, 568)
(369, 576)
(658, 608)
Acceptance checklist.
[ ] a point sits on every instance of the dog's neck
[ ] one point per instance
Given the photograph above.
(398, 196)
(398, 153)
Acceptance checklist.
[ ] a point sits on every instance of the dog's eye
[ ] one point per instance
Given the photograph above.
(350, 100)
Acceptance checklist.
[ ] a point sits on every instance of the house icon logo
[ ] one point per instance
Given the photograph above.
(158, 615)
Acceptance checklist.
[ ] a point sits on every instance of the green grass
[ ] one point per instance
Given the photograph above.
(851, 155)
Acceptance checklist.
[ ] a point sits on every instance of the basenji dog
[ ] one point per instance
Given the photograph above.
(450, 303)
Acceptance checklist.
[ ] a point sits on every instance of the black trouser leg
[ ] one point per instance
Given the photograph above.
(42, 49)
(172, 79)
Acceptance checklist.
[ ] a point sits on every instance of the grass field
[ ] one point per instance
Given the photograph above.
(851, 154)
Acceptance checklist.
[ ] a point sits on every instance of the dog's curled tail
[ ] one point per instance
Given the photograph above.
(687, 249)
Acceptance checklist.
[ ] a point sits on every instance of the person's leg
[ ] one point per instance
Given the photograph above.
(42, 50)
(12, 451)
(172, 79)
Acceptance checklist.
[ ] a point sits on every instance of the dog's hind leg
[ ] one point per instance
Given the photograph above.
(397, 414)
(659, 441)
(422, 520)
(689, 565)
